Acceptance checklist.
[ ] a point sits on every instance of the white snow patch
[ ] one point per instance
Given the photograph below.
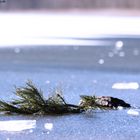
(17, 125)
(133, 112)
(131, 85)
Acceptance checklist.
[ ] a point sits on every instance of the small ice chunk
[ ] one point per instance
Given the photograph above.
(17, 125)
(48, 126)
(130, 85)
(133, 112)
(120, 107)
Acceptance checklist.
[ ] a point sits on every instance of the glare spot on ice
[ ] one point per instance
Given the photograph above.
(136, 52)
(72, 76)
(76, 48)
(133, 112)
(17, 50)
(122, 54)
(48, 126)
(31, 131)
(47, 82)
(110, 54)
(94, 81)
(118, 45)
(48, 132)
(131, 85)
(117, 49)
(101, 61)
(17, 125)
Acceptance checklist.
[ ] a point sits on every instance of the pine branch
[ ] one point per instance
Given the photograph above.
(7, 107)
(31, 101)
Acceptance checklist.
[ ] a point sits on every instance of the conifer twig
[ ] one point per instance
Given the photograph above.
(31, 101)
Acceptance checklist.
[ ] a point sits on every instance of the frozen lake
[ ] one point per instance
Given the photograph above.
(96, 125)
(111, 70)
(80, 62)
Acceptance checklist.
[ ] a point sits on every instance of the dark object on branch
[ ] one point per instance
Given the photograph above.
(104, 102)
